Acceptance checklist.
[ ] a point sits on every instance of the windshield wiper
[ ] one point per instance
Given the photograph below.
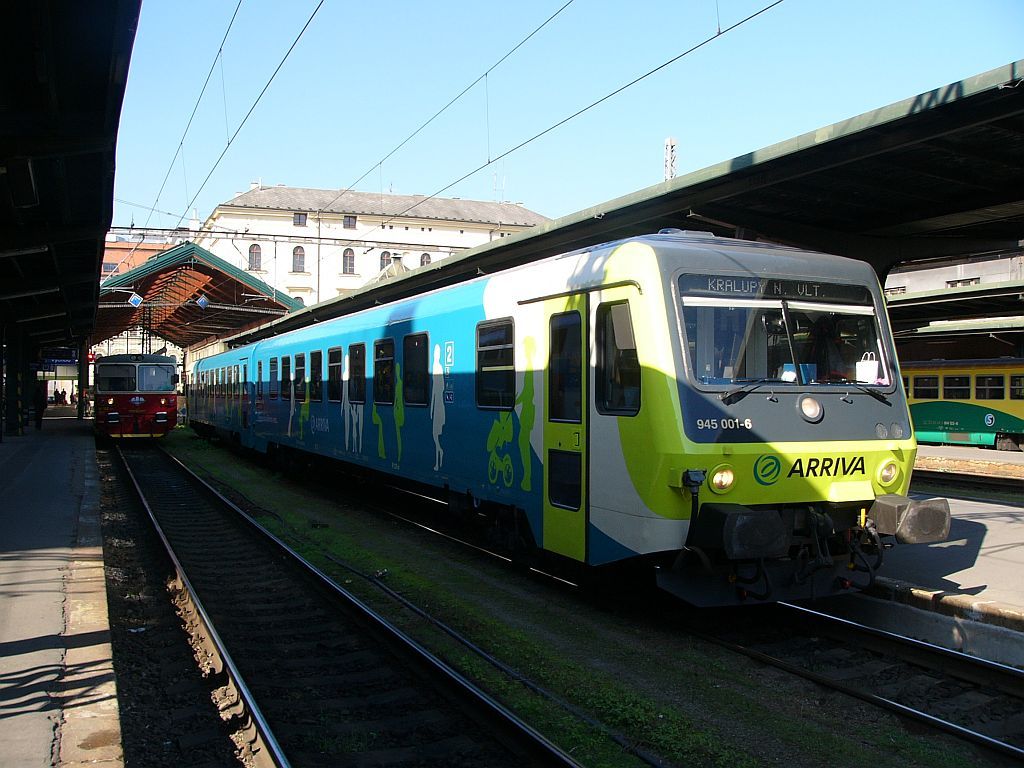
(737, 394)
(862, 387)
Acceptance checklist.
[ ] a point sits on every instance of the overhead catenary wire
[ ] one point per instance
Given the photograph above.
(252, 109)
(181, 143)
(445, 108)
(576, 114)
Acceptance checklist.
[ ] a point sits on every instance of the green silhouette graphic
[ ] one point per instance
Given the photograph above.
(499, 464)
(399, 410)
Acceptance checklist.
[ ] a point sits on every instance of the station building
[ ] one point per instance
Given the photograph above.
(318, 244)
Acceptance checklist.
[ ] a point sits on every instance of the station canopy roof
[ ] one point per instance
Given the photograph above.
(187, 295)
(936, 175)
(65, 66)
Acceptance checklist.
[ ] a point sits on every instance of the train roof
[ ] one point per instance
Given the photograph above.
(137, 358)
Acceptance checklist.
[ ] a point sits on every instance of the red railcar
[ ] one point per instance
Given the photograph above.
(135, 396)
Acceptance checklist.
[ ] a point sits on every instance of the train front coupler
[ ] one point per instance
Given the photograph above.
(911, 521)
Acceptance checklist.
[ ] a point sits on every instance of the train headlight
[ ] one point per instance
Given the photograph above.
(163, 401)
(811, 408)
(110, 401)
(888, 472)
(896, 430)
(722, 478)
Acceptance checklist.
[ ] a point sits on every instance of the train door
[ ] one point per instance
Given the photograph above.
(565, 428)
(245, 395)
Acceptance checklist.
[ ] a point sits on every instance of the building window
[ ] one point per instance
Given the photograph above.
(255, 258)
(109, 267)
(298, 259)
(348, 262)
(896, 290)
(990, 387)
(962, 282)
(349, 222)
(956, 387)
(299, 219)
(415, 373)
(926, 387)
(424, 259)
(495, 365)
(385, 260)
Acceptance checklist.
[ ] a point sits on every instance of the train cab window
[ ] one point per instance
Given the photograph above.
(415, 370)
(956, 387)
(300, 378)
(156, 378)
(259, 381)
(926, 387)
(990, 387)
(384, 371)
(618, 369)
(495, 365)
(906, 384)
(357, 373)
(565, 369)
(1017, 387)
(272, 379)
(115, 378)
(286, 377)
(335, 375)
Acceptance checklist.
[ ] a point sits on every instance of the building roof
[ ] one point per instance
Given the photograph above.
(340, 201)
(175, 285)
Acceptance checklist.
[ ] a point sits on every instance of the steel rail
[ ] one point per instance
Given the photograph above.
(880, 701)
(268, 751)
(540, 748)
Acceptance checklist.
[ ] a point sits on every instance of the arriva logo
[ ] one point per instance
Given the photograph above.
(767, 469)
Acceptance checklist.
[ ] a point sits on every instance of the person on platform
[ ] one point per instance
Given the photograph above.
(39, 403)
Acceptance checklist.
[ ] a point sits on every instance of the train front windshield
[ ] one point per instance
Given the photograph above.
(115, 378)
(156, 378)
(742, 338)
(120, 377)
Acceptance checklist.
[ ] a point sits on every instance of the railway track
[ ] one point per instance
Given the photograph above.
(971, 698)
(316, 677)
(966, 482)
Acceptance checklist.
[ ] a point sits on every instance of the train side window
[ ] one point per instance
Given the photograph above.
(357, 373)
(415, 373)
(286, 377)
(926, 387)
(316, 376)
(990, 387)
(1017, 387)
(300, 378)
(259, 381)
(384, 371)
(565, 369)
(956, 387)
(237, 382)
(495, 365)
(906, 385)
(334, 374)
(272, 379)
(618, 368)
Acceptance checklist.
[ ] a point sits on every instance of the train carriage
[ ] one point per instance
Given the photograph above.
(135, 396)
(726, 413)
(967, 402)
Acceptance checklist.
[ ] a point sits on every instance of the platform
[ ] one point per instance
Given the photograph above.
(58, 698)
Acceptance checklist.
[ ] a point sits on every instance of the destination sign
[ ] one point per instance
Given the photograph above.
(751, 287)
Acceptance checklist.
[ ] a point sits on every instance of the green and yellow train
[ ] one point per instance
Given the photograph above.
(967, 402)
(724, 413)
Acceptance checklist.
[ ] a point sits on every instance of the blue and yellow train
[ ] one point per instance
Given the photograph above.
(726, 413)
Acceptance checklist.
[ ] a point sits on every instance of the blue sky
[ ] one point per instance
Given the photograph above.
(364, 76)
